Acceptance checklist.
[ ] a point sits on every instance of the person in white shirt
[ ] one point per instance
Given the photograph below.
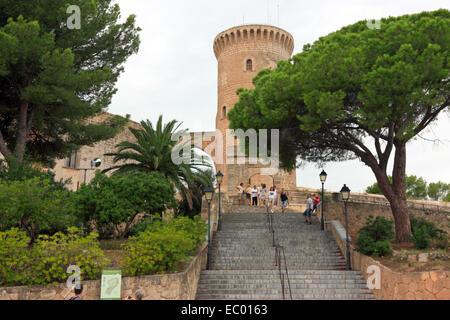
(255, 196)
(262, 195)
(309, 208)
(272, 197)
(240, 189)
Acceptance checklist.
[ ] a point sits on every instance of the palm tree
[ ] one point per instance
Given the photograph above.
(153, 152)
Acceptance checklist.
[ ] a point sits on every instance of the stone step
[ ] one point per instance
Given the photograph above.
(276, 281)
(289, 255)
(272, 267)
(230, 247)
(301, 272)
(276, 285)
(276, 291)
(272, 256)
(279, 297)
(243, 275)
(292, 277)
(243, 260)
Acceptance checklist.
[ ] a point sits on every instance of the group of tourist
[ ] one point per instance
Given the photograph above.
(259, 196)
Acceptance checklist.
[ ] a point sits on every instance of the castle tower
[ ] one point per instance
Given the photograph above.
(241, 53)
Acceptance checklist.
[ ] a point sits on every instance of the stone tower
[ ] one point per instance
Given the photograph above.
(241, 53)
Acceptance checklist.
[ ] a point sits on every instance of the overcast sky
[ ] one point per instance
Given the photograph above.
(175, 71)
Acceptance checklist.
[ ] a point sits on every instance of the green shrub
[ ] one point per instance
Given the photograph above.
(111, 202)
(421, 238)
(143, 225)
(14, 171)
(195, 227)
(374, 238)
(35, 206)
(15, 257)
(423, 232)
(47, 261)
(443, 244)
(163, 246)
(60, 251)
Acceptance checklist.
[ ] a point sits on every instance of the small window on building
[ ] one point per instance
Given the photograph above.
(71, 161)
(224, 112)
(249, 65)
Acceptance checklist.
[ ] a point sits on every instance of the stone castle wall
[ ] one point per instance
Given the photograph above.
(88, 153)
(264, 46)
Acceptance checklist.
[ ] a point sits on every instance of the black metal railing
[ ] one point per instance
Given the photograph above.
(280, 257)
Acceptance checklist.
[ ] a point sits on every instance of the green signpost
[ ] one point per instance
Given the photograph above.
(111, 285)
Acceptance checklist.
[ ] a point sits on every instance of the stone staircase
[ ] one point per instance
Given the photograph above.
(243, 262)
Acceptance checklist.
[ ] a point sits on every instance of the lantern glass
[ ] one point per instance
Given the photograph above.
(323, 176)
(219, 177)
(345, 191)
(209, 193)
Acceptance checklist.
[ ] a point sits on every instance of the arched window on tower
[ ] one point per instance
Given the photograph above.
(249, 65)
(224, 112)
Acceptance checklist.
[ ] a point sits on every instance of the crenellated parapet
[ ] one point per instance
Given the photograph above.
(265, 35)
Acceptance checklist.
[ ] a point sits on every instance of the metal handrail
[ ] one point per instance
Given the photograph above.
(278, 250)
(278, 263)
(287, 273)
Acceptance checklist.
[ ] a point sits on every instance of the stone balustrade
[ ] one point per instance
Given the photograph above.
(430, 285)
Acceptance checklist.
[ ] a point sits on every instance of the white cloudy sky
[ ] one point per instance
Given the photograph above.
(175, 71)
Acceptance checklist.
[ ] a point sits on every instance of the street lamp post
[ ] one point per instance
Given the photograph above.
(219, 178)
(94, 164)
(323, 178)
(345, 191)
(209, 192)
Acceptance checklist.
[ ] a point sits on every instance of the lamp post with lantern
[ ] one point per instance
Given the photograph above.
(219, 179)
(209, 193)
(345, 192)
(323, 178)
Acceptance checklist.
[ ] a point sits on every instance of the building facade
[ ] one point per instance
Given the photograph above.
(241, 53)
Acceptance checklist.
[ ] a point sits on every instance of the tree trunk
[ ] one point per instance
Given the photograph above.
(22, 132)
(395, 193)
(400, 205)
(401, 218)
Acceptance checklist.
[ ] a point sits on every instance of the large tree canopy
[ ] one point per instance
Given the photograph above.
(53, 78)
(357, 93)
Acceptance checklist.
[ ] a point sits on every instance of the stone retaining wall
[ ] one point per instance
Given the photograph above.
(359, 212)
(433, 285)
(175, 286)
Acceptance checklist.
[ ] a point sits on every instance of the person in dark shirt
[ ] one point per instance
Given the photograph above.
(78, 291)
(284, 200)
